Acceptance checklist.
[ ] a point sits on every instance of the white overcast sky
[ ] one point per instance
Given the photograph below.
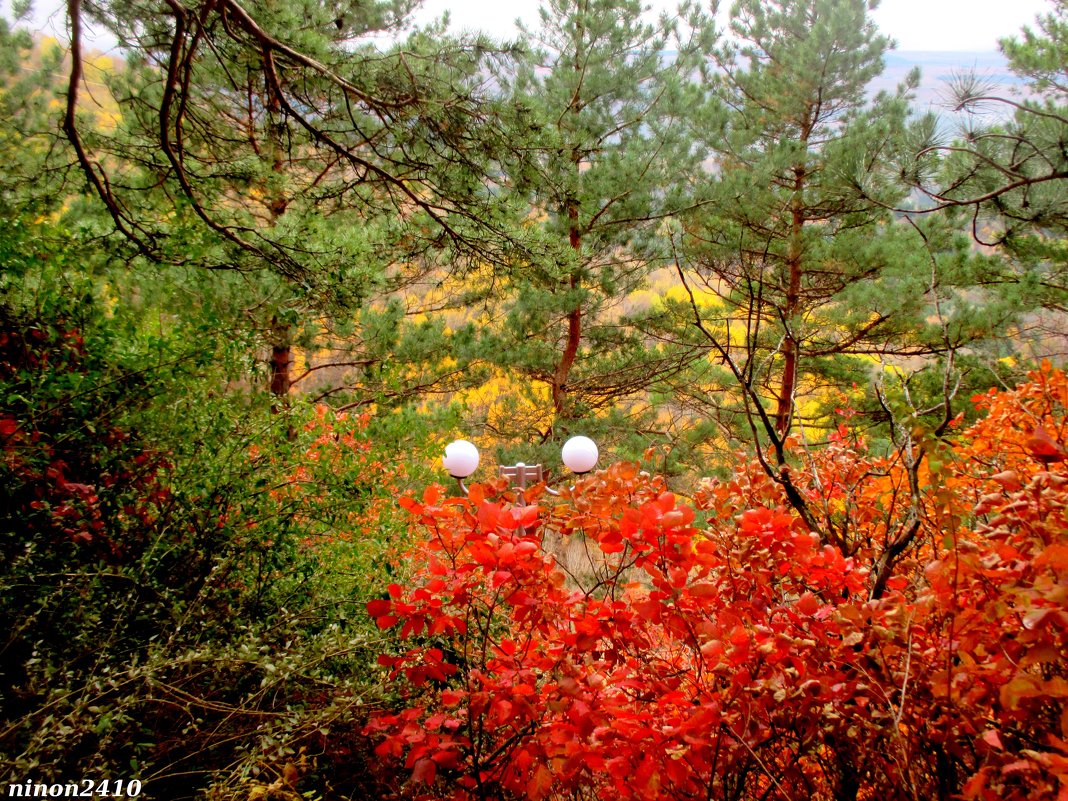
(914, 24)
(972, 25)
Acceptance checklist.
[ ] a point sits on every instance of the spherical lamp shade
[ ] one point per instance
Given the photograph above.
(460, 459)
(579, 454)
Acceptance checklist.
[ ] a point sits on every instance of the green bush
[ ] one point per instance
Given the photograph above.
(182, 573)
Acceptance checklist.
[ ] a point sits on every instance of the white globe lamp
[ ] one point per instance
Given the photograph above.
(460, 459)
(579, 454)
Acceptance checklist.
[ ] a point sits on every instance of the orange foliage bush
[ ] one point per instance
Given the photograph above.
(344, 485)
(911, 648)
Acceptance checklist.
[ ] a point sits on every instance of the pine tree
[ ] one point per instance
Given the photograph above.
(272, 141)
(603, 142)
(1006, 165)
(799, 279)
(31, 166)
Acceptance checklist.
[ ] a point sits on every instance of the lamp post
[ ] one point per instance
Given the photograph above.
(579, 455)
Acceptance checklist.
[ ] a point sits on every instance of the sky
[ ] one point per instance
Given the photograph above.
(940, 25)
(971, 25)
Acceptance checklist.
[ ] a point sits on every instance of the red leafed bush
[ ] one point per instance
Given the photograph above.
(992, 620)
(747, 656)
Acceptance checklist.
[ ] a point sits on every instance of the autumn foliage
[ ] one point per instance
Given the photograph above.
(625, 643)
(171, 585)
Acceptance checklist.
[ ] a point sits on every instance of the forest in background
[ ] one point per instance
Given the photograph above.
(258, 271)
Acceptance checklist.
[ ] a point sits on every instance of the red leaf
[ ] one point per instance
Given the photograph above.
(528, 515)
(379, 608)
(424, 771)
(973, 788)
(413, 625)
(540, 782)
(501, 710)
(442, 624)
(451, 697)
(447, 759)
(1044, 448)
(674, 519)
(712, 650)
(808, 604)
(488, 515)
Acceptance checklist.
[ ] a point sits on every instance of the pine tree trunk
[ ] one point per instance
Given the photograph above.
(785, 408)
(281, 359)
(574, 238)
(574, 331)
(794, 255)
(281, 334)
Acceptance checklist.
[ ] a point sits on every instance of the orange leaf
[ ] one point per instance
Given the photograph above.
(704, 590)
(1054, 556)
(1008, 479)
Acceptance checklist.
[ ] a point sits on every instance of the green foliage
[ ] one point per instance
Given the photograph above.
(1004, 165)
(180, 577)
(603, 144)
(29, 152)
(799, 282)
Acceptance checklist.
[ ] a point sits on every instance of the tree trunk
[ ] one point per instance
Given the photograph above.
(281, 359)
(794, 255)
(574, 329)
(574, 238)
(785, 408)
(281, 334)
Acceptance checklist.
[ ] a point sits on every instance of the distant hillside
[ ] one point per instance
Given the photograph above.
(937, 68)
